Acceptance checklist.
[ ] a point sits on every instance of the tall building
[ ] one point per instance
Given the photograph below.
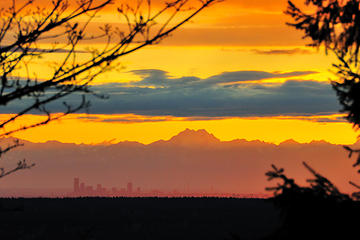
(98, 188)
(129, 187)
(76, 185)
(89, 190)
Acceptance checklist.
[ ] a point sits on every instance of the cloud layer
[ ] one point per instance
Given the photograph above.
(238, 94)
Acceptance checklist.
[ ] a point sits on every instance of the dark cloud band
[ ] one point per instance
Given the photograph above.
(226, 94)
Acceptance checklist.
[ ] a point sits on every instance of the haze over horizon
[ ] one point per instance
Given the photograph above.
(201, 135)
(244, 81)
(195, 159)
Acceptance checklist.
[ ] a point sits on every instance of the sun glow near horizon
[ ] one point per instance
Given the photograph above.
(96, 128)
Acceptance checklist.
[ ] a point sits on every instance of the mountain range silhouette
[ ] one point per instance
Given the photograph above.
(192, 158)
(187, 137)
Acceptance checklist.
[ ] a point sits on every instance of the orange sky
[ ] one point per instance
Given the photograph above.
(232, 36)
(95, 128)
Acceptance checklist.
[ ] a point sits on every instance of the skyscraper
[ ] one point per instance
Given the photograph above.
(129, 188)
(98, 188)
(76, 185)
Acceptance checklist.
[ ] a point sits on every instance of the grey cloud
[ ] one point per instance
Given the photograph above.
(154, 77)
(130, 120)
(44, 50)
(206, 98)
(240, 76)
(292, 97)
(124, 119)
(143, 119)
(158, 78)
(330, 120)
(320, 119)
(282, 51)
(289, 51)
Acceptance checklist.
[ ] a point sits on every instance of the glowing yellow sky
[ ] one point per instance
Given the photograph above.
(90, 129)
(230, 36)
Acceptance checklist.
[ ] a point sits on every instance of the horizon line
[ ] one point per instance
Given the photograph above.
(115, 141)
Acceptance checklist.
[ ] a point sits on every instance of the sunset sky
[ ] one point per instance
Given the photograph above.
(236, 70)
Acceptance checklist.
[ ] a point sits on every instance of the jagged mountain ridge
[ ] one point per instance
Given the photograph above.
(187, 137)
(194, 158)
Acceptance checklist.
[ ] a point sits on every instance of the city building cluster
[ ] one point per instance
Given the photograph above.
(80, 189)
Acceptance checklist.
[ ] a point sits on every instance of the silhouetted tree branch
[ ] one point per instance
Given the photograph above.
(335, 25)
(318, 211)
(65, 25)
(319, 185)
(328, 213)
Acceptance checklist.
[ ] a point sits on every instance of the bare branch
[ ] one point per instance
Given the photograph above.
(65, 25)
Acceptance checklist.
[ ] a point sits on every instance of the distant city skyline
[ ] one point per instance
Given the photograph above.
(80, 189)
(193, 159)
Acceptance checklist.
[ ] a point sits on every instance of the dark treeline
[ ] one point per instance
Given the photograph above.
(136, 218)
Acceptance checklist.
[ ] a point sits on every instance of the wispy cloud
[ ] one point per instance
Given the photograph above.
(321, 118)
(282, 51)
(127, 118)
(289, 51)
(132, 118)
(47, 50)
